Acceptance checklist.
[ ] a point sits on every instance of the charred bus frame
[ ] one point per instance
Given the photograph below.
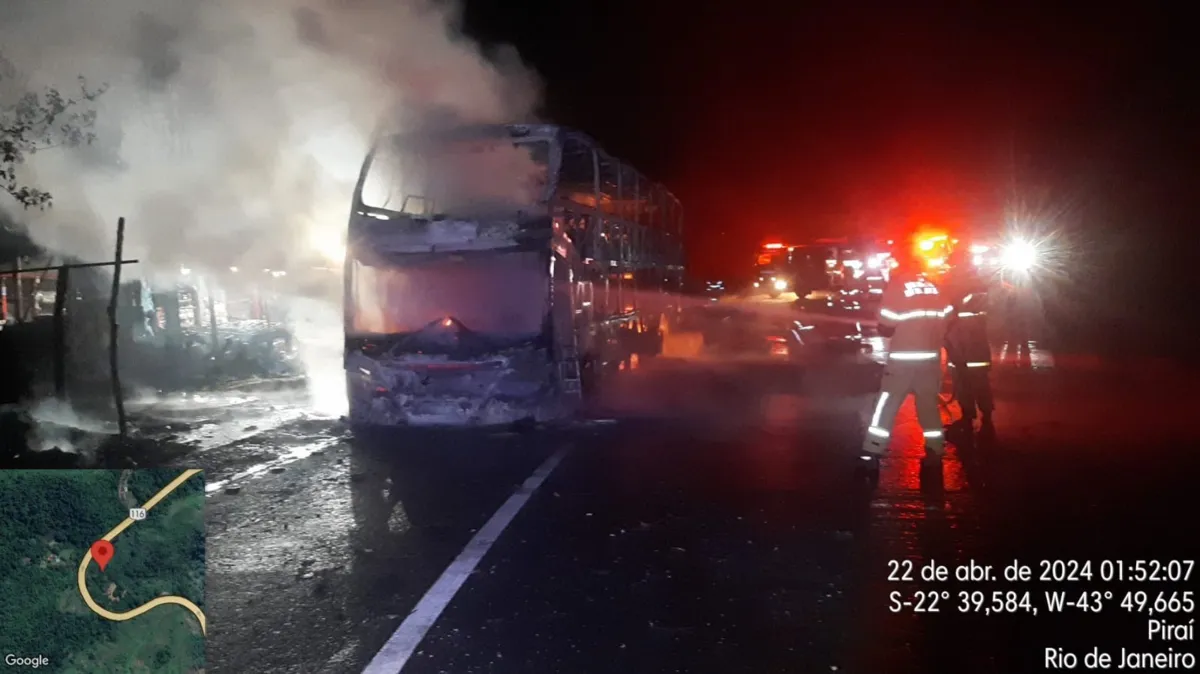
(613, 253)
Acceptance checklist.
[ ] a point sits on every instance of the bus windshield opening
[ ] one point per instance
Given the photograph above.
(457, 177)
(501, 295)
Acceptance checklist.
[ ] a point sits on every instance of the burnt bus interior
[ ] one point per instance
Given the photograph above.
(625, 231)
(561, 273)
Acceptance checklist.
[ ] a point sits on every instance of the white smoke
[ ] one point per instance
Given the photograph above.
(232, 131)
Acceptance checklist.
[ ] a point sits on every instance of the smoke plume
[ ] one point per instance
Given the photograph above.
(232, 130)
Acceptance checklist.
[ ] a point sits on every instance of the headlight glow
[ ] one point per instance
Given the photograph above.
(1019, 256)
(780, 284)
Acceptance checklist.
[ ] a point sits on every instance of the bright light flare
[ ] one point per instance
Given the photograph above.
(1019, 255)
(780, 284)
(329, 243)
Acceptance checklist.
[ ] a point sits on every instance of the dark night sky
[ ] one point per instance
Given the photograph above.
(789, 119)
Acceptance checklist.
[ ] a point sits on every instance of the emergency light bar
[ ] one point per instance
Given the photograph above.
(929, 243)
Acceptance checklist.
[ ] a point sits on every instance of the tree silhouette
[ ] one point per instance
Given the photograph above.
(32, 122)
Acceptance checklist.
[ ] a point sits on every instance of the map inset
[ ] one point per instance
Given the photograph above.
(136, 605)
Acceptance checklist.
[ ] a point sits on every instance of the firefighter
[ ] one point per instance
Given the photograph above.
(969, 357)
(968, 353)
(914, 314)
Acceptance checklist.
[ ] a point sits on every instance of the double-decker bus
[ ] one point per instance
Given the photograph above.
(497, 274)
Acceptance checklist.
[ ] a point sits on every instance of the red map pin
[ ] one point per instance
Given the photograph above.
(102, 551)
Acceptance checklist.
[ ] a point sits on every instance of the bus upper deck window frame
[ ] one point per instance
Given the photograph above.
(577, 170)
(609, 176)
(390, 151)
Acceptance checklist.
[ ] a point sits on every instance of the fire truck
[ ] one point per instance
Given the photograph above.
(798, 268)
(861, 267)
(838, 265)
(773, 269)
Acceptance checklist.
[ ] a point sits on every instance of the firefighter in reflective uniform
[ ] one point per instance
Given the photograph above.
(914, 314)
(968, 353)
(969, 357)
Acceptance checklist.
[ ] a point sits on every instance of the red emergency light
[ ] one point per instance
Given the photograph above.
(772, 246)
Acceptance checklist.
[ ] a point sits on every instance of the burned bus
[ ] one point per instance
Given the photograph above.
(499, 274)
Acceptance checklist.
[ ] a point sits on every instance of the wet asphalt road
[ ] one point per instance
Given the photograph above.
(714, 527)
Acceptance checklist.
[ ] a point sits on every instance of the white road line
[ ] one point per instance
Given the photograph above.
(403, 643)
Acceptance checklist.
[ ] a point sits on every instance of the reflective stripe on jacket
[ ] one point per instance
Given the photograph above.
(917, 311)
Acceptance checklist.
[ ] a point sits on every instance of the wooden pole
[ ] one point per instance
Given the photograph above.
(18, 303)
(114, 331)
(212, 313)
(60, 333)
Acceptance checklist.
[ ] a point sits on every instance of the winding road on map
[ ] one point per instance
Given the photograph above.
(158, 601)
